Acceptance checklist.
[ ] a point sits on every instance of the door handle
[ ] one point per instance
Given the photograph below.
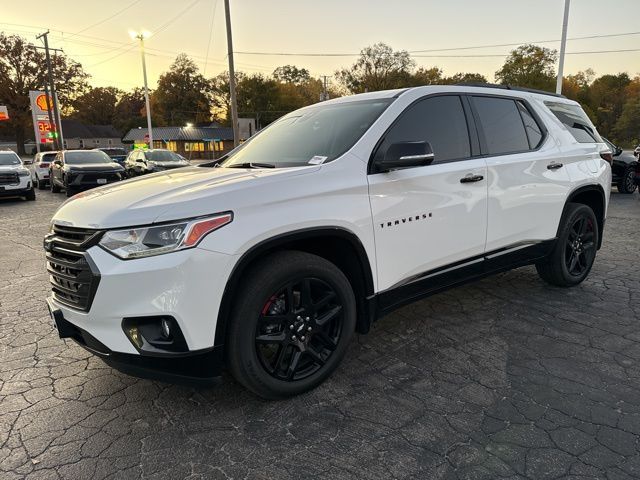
(471, 178)
(554, 166)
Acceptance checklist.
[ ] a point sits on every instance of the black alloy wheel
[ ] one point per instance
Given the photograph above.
(574, 252)
(626, 183)
(299, 328)
(580, 249)
(291, 322)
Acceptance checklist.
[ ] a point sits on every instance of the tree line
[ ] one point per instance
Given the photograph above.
(184, 95)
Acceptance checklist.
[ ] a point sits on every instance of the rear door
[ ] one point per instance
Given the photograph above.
(428, 217)
(527, 179)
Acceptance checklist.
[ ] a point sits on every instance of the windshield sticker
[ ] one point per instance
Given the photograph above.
(317, 160)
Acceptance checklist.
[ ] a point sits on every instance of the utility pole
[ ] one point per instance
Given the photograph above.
(140, 36)
(563, 45)
(232, 76)
(325, 94)
(56, 138)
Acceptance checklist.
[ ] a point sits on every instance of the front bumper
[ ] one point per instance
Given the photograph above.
(186, 285)
(205, 365)
(86, 180)
(15, 190)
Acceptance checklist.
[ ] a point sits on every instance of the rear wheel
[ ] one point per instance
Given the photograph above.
(292, 322)
(626, 183)
(575, 251)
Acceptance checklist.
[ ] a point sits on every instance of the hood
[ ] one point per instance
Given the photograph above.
(94, 167)
(12, 168)
(168, 195)
(170, 164)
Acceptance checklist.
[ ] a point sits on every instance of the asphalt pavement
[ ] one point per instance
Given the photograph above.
(504, 378)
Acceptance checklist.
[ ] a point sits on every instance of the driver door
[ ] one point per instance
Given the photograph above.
(432, 217)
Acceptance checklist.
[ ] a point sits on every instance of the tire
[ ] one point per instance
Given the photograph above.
(70, 192)
(54, 188)
(268, 317)
(626, 183)
(575, 250)
(31, 195)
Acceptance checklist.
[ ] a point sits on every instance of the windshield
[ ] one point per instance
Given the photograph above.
(90, 156)
(310, 136)
(163, 156)
(118, 152)
(9, 158)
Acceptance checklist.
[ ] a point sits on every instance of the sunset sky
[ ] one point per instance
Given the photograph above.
(95, 33)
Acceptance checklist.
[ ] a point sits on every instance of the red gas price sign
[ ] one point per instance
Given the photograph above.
(44, 130)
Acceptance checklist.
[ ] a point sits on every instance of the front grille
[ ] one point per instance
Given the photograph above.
(74, 279)
(9, 178)
(90, 178)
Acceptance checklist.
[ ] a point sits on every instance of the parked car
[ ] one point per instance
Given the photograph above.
(141, 162)
(75, 170)
(329, 218)
(15, 178)
(41, 167)
(118, 155)
(636, 152)
(623, 168)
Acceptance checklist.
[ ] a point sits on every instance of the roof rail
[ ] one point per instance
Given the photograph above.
(509, 87)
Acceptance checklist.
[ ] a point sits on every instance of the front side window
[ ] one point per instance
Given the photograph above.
(503, 128)
(438, 120)
(576, 121)
(312, 135)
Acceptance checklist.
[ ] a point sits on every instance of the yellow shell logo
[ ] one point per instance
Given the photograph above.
(41, 101)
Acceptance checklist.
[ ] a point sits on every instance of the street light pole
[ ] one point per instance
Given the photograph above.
(140, 36)
(563, 45)
(232, 76)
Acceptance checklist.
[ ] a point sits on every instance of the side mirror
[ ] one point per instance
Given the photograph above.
(57, 161)
(27, 161)
(405, 155)
(140, 160)
(617, 152)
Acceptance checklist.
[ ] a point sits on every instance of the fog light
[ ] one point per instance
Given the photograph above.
(166, 328)
(135, 336)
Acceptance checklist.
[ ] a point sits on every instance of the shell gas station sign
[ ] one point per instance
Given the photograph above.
(43, 129)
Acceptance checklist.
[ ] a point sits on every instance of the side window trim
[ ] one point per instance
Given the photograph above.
(483, 143)
(371, 170)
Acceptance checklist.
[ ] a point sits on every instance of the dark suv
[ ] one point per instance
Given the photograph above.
(76, 170)
(623, 168)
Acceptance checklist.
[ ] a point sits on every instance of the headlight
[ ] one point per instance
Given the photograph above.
(155, 240)
(23, 173)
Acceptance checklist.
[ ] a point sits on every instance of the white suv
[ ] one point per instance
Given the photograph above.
(41, 167)
(332, 216)
(15, 178)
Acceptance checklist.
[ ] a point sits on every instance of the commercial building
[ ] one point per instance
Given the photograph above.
(192, 142)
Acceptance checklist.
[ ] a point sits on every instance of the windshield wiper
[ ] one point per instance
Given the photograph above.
(252, 165)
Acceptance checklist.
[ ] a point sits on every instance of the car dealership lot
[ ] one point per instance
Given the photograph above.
(505, 377)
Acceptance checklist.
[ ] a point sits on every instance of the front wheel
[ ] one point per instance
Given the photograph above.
(292, 322)
(54, 188)
(575, 250)
(31, 195)
(626, 184)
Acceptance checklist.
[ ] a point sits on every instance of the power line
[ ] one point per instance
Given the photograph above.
(313, 54)
(213, 19)
(155, 32)
(108, 18)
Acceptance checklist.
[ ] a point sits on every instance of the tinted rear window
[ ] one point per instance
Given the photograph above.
(502, 125)
(576, 121)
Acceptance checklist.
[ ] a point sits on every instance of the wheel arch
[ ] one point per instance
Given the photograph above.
(338, 245)
(593, 196)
